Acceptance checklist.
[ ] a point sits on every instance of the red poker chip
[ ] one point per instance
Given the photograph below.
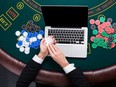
(92, 21)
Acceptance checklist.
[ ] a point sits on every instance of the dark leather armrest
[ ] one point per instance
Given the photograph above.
(56, 78)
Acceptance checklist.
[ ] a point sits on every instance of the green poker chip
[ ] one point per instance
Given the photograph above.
(114, 41)
(100, 44)
(104, 33)
(94, 45)
(101, 40)
(95, 32)
(95, 40)
(102, 19)
(114, 35)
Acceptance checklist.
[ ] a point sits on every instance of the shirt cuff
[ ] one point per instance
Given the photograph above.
(37, 59)
(69, 68)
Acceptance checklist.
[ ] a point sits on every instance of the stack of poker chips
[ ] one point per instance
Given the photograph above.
(28, 39)
(105, 33)
(30, 27)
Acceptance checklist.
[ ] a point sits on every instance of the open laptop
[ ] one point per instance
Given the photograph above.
(68, 24)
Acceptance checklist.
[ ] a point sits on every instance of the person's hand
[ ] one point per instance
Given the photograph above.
(43, 49)
(57, 55)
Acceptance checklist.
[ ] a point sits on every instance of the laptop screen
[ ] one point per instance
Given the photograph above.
(65, 16)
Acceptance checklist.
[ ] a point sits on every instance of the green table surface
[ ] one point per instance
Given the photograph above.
(26, 10)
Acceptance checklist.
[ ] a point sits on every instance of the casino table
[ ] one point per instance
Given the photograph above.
(16, 14)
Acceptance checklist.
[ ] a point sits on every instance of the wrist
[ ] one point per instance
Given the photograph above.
(41, 55)
(64, 64)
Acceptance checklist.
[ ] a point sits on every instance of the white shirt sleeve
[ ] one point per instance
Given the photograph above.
(69, 68)
(37, 59)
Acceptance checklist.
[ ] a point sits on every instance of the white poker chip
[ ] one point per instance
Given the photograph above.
(31, 39)
(21, 49)
(17, 46)
(25, 34)
(26, 51)
(21, 38)
(48, 40)
(17, 33)
(34, 39)
(39, 36)
(25, 44)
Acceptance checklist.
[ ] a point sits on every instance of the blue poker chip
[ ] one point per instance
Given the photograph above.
(29, 35)
(27, 39)
(36, 33)
(30, 46)
(38, 41)
(20, 43)
(35, 43)
(23, 31)
(41, 32)
(36, 47)
(33, 35)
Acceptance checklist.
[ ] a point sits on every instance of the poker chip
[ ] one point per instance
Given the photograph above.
(113, 45)
(30, 22)
(102, 19)
(114, 35)
(27, 39)
(97, 22)
(21, 38)
(109, 20)
(100, 44)
(21, 49)
(104, 33)
(17, 46)
(111, 38)
(39, 36)
(25, 34)
(93, 26)
(37, 28)
(17, 33)
(23, 26)
(95, 32)
(34, 39)
(20, 43)
(94, 45)
(92, 38)
(114, 25)
(26, 51)
(92, 21)
(41, 32)
(27, 48)
(109, 44)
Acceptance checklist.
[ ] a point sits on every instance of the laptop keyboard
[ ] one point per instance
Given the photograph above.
(67, 36)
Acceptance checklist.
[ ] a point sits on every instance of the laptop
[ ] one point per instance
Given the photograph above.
(69, 25)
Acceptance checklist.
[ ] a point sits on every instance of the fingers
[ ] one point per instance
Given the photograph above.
(51, 49)
(56, 48)
(43, 41)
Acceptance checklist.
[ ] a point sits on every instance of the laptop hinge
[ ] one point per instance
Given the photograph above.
(64, 27)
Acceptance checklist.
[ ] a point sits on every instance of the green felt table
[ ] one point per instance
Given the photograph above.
(15, 13)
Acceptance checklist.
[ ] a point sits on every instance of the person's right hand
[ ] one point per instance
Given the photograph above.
(57, 55)
(43, 49)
